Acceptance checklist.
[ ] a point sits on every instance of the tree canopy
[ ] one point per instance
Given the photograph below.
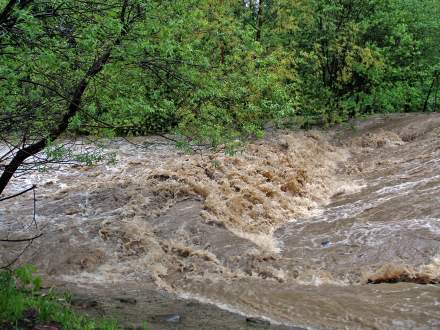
(209, 71)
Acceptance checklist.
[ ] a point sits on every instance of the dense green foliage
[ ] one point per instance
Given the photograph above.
(370, 56)
(22, 305)
(211, 71)
(215, 67)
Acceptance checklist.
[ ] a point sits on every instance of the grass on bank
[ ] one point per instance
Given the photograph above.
(23, 305)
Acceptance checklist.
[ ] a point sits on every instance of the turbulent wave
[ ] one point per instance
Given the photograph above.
(394, 273)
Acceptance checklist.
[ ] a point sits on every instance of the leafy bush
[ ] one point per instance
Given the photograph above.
(23, 304)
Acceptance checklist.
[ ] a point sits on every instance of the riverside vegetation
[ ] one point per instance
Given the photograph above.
(205, 74)
(24, 306)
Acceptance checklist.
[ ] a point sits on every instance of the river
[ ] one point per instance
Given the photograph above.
(310, 229)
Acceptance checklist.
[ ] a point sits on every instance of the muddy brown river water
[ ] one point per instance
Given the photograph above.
(320, 230)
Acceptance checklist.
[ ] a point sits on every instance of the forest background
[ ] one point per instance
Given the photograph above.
(209, 71)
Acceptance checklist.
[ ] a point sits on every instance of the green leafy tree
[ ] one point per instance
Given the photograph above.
(211, 72)
(50, 57)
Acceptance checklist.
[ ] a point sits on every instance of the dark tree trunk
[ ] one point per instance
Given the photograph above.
(260, 20)
(222, 53)
(73, 108)
(7, 13)
(18, 160)
(425, 105)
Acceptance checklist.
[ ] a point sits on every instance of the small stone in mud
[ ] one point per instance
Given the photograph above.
(174, 318)
(325, 243)
(284, 145)
(30, 314)
(84, 303)
(257, 322)
(130, 301)
(71, 211)
(47, 327)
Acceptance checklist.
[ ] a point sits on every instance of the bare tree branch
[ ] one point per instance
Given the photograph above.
(21, 239)
(18, 194)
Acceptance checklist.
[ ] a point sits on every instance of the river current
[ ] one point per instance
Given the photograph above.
(336, 229)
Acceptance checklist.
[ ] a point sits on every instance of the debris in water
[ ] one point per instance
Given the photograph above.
(325, 243)
(47, 327)
(391, 273)
(174, 318)
(257, 322)
(130, 301)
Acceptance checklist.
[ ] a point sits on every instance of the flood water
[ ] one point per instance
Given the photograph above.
(320, 230)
